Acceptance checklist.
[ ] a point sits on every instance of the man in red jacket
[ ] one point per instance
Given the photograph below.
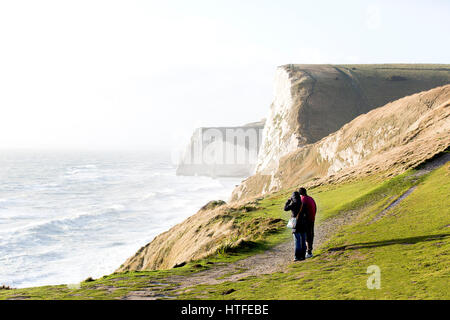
(311, 210)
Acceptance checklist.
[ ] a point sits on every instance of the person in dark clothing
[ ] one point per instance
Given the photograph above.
(310, 208)
(299, 231)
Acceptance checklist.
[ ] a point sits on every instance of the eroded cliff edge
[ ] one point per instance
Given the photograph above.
(312, 101)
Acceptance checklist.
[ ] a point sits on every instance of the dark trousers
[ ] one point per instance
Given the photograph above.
(300, 245)
(310, 237)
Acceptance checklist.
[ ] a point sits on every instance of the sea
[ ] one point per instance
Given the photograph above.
(66, 216)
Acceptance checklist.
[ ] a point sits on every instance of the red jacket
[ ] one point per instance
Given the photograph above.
(311, 207)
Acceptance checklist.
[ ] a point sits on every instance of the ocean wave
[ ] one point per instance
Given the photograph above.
(82, 172)
(87, 166)
(149, 195)
(61, 216)
(80, 175)
(166, 191)
(208, 186)
(4, 203)
(45, 230)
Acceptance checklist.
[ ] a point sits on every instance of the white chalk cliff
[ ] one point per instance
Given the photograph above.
(312, 101)
(222, 151)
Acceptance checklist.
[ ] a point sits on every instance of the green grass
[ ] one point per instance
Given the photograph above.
(410, 245)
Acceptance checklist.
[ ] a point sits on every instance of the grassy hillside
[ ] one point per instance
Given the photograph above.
(339, 93)
(383, 83)
(389, 139)
(410, 244)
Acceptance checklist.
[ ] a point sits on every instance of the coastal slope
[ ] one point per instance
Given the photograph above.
(390, 138)
(387, 140)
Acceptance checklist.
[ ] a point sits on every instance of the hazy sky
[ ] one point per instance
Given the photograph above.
(138, 74)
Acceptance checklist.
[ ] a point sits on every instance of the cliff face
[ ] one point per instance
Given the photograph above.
(388, 139)
(312, 101)
(222, 151)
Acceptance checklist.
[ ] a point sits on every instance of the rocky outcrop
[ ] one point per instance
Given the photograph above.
(222, 151)
(388, 139)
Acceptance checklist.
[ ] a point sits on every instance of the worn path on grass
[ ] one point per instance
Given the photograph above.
(273, 260)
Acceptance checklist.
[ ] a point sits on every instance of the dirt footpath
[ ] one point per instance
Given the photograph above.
(272, 260)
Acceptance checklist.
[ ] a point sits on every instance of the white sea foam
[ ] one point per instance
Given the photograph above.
(64, 218)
